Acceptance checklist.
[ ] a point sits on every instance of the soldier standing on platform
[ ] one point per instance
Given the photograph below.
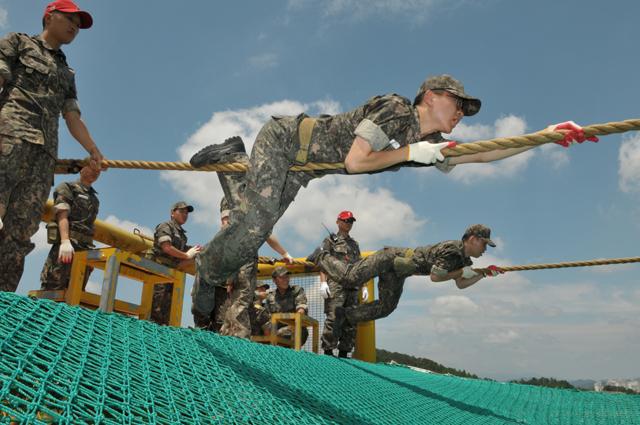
(37, 86)
(343, 248)
(76, 207)
(170, 248)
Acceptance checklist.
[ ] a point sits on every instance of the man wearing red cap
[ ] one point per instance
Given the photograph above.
(36, 87)
(343, 248)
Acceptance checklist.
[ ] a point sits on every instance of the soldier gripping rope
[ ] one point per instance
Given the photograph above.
(384, 133)
(442, 261)
(36, 87)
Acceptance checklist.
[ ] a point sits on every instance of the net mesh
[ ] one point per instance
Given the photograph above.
(71, 365)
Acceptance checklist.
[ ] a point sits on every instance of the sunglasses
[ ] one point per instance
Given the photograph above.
(459, 100)
(349, 220)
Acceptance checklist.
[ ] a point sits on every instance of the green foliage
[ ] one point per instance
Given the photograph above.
(616, 389)
(546, 382)
(384, 356)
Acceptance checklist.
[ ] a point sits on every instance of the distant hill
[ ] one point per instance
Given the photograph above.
(384, 356)
(583, 384)
(546, 382)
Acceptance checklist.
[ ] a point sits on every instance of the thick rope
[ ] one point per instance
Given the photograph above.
(590, 263)
(73, 165)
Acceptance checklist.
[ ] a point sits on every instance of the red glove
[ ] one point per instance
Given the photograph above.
(574, 135)
(493, 271)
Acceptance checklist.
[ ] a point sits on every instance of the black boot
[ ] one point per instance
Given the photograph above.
(338, 322)
(343, 354)
(328, 353)
(213, 154)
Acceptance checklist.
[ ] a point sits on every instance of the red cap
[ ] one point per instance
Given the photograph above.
(68, 6)
(346, 215)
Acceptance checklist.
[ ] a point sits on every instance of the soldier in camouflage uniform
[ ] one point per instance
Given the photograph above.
(36, 87)
(384, 133)
(170, 248)
(342, 247)
(442, 261)
(286, 298)
(258, 313)
(76, 207)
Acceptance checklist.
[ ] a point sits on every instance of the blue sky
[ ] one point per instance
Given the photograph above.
(157, 82)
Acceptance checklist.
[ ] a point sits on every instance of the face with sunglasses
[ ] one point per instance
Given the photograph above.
(344, 226)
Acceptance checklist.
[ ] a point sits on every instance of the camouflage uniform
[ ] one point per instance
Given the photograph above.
(82, 204)
(345, 249)
(236, 316)
(388, 122)
(293, 299)
(169, 231)
(39, 87)
(440, 258)
(258, 316)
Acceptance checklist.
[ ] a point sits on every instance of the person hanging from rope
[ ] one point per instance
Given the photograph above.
(387, 132)
(447, 260)
(36, 87)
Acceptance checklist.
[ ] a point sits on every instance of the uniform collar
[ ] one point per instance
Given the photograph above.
(175, 223)
(89, 189)
(47, 46)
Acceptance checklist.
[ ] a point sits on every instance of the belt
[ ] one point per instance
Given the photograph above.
(304, 138)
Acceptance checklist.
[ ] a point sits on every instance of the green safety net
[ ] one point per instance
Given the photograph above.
(66, 364)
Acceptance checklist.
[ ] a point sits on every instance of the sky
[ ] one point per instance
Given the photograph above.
(160, 80)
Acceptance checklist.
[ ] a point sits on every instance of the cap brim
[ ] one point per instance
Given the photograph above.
(86, 21)
(471, 104)
(189, 208)
(490, 243)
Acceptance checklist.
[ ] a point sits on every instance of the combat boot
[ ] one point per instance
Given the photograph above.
(328, 353)
(343, 354)
(213, 154)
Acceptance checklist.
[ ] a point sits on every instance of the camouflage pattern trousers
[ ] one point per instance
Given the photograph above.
(26, 177)
(344, 297)
(268, 190)
(214, 320)
(55, 275)
(237, 321)
(354, 275)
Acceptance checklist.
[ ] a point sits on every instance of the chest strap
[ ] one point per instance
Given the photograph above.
(304, 138)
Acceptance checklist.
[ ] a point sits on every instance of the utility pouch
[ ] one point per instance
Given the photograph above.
(53, 235)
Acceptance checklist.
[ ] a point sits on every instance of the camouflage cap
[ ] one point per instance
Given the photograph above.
(279, 271)
(181, 204)
(262, 284)
(471, 105)
(481, 231)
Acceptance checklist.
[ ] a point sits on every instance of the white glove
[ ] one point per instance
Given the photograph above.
(365, 293)
(1, 223)
(324, 290)
(288, 258)
(65, 253)
(193, 251)
(426, 152)
(468, 272)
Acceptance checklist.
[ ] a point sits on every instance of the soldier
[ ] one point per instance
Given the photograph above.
(258, 313)
(386, 132)
(76, 208)
(241, 288)
(286, 298)
(343, 248)
(442, 261)
(36, 87)
(170, 248)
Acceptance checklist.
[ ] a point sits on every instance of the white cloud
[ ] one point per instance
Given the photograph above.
(40, 239)
(319, 203)
(4, 18)
(415, 10)
(453, 305)
(629, 171)
(264, 61)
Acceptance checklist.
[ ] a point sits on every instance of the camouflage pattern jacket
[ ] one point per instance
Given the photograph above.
(172, 232)
(81, 202)
(293, 299)
(441, 258)
(39, 87)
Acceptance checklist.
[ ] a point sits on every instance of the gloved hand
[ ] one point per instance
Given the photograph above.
(287, 258)
(193, 251)
(365, 293)
(426, 152)
(574, 135)
(468, 272)
(65, 253)
(1, 223)
(324, 290)
(493, 271)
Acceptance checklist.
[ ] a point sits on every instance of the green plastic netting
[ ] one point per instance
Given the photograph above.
(71, 365)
